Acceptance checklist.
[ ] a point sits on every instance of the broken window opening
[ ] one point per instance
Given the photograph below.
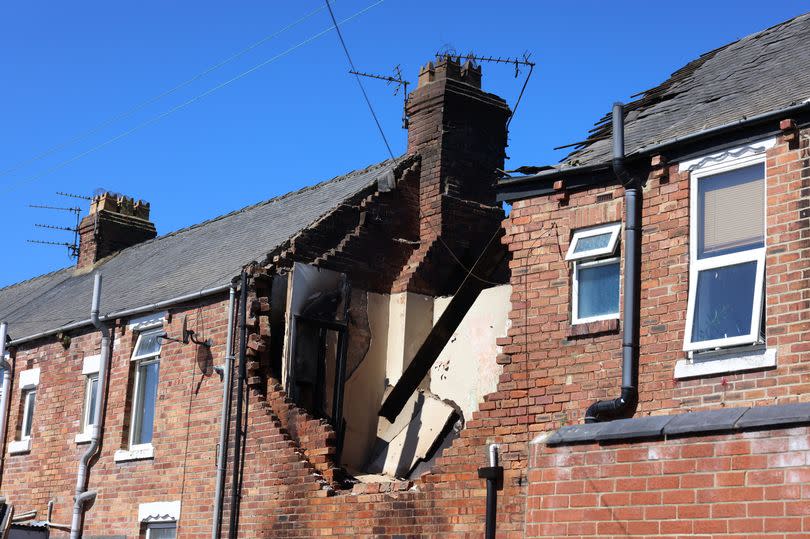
(314, 377)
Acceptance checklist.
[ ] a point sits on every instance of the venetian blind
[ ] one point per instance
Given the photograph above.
(732, 211)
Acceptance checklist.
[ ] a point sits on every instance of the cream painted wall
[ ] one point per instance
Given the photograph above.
(466, 369)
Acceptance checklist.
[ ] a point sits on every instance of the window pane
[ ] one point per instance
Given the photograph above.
(147, 394)
(731, 211)
(724, 302)
(30, 402)
(599, 241)
(148, 344)
(162, 532)
(92, 383)
(598, 292)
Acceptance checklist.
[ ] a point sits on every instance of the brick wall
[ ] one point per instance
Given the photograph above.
(571, 371)
(185, 434)
(755, 484)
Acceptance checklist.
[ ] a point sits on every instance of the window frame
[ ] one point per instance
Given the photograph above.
(87, 414)
(170, 524)
(698, 265)
(27, 422)
(579, 264)
(613, 228)
(136, 415)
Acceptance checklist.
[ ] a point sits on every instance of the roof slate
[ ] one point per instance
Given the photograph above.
(759, 73)
(184, 262)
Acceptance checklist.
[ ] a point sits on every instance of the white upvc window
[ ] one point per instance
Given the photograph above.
(596, 274)
(726, 251)
(29, 397)
(90, 394)
(161, 530)
(29, 382)
(160, 519)
(594, 242)
(90, 372)
(146, 356)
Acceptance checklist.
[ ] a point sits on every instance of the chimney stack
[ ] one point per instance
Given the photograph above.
(115, 222)
(459, 128)
(459, 133)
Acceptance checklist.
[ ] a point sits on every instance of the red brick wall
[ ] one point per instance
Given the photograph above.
(570, 372)
(185, 433)
(733, 484)
(754, 484)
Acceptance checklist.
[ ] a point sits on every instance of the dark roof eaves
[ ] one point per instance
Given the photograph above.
(512, 189)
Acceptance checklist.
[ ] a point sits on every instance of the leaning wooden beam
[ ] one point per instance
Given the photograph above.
(437, 339)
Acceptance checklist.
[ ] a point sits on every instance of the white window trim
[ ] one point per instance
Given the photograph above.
(87, 413)
(149, 321)
(136, 452)
(16, 447)
(755, 150)
(90, 367)
(609, 249)
(701, 168)
(155, 512)
(29, 379)
(136, 401)
(730, 362)
(575, 319)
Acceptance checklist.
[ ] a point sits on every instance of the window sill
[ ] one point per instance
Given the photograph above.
(18, 447)
(591, 328)
(83, 438)
(139, 452)
(726, 363)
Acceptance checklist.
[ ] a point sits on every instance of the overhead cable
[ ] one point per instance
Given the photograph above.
(135, 108)
(359, 82)
(190, 101)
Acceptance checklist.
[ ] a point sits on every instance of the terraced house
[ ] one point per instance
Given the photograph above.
(626, 353)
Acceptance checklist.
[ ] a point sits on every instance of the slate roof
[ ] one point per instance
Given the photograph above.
(760, 73)
(184, 262)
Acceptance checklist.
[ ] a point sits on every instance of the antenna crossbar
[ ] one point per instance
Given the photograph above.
(71, 195)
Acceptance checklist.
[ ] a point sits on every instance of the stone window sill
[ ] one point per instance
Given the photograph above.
(19, 446)
(593, 328)
(725, 363)
(140, 452)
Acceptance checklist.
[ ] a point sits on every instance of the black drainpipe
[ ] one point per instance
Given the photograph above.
(625, 404)
(238, 432)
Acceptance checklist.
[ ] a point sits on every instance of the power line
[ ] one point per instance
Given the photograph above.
(192, 100)
(359, 82)
(129, 112)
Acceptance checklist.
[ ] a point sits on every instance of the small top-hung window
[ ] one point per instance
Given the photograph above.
(727, 256)
(593, 242)
(595, 287)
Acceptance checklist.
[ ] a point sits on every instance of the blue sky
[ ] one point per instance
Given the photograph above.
(70, 66)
